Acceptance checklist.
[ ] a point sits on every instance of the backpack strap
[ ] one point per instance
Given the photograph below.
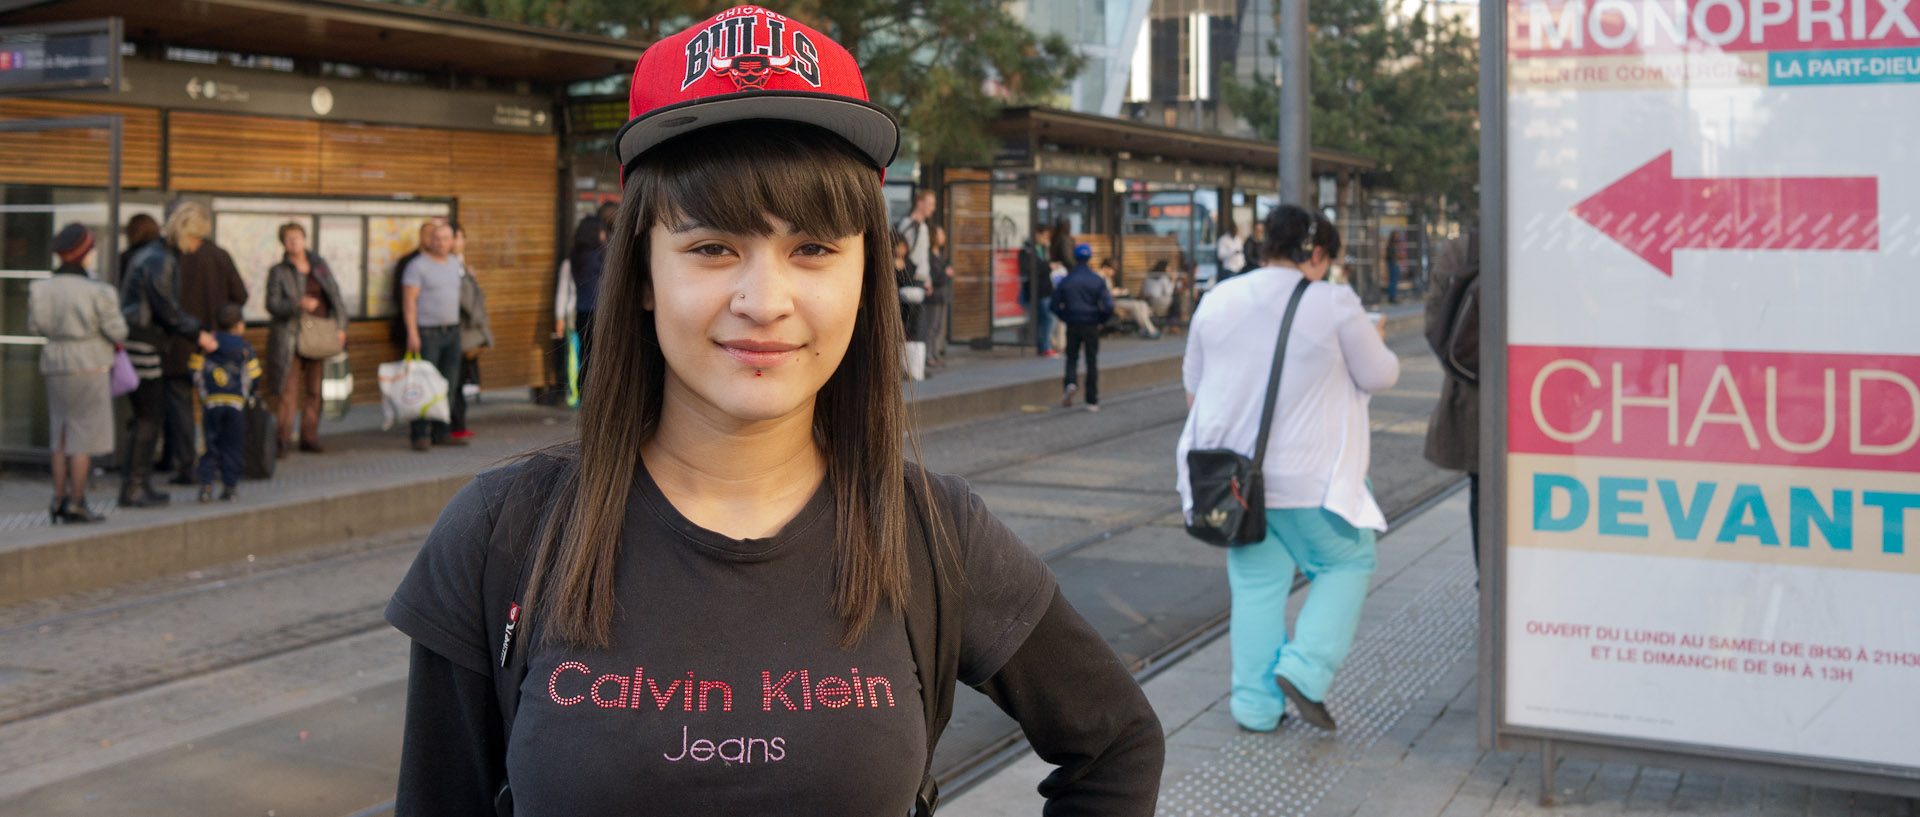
(503, 586)
(933, 631)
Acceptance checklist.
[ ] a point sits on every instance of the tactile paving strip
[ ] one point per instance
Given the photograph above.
(1287, 771)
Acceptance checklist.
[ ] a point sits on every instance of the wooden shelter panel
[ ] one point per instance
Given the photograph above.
(242, 154)
(79, 157)
(1142, 251)
(505, 187)
(376, 160)
(970, 219)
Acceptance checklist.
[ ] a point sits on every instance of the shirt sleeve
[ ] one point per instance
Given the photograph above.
(1370, 363)
(452, 756)
(1006, 587)
(438, 603)
(410, 274)
(1083, 712)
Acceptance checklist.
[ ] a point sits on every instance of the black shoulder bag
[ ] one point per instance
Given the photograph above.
(1229, 494)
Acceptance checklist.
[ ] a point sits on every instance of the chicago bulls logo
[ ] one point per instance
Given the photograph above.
(749, 72)
(750, 46)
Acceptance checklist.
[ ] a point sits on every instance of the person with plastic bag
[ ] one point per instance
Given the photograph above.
(738, 518)
(81, 320)
(430, 309)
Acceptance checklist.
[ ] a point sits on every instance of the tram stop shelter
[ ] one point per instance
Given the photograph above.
(1139, 194)
(358, 120)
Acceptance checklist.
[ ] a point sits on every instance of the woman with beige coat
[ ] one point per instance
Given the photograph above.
(81, 320)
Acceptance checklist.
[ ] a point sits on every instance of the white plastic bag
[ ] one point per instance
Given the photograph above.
(411, 389)
(915, 353)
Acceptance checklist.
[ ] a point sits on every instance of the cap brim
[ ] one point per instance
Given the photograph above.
(869, 127)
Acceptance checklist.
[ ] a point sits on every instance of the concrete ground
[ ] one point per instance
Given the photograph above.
(270, 684)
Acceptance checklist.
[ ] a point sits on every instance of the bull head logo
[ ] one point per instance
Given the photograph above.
(749, 72)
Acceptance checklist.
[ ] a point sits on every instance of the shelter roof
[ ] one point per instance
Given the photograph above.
(386, 35)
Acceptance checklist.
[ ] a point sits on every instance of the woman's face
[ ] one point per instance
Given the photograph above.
(295, 241)
(752, 326)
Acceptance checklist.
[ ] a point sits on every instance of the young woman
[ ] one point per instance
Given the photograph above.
(721, 586)
(1321, 516)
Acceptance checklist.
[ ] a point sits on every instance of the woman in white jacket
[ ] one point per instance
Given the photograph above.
(1321, 515)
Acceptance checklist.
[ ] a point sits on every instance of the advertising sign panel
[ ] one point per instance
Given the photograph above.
(83, 55)
(1712, 403)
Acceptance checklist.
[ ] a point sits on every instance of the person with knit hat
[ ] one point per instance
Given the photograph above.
(732, 594)
(81, 320)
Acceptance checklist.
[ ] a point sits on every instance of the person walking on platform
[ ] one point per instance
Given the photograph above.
(1453, 434)
(150, 303)
(1082, 302)
(1321, 514)
(81, 320)
(747, 602)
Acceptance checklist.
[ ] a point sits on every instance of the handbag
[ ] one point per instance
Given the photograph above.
(913, 294)
(316, 338)
(1229, 493)
(121, 377)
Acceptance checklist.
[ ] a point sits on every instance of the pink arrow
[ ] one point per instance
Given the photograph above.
(1652, 213)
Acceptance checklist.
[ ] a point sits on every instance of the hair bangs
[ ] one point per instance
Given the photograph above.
(732, 177)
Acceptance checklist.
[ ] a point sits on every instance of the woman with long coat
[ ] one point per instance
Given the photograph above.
(81, 320)
(299, 285)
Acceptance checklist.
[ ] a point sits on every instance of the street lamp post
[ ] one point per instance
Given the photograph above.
(1295, 166)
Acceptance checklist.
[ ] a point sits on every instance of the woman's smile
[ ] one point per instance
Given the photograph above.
(760, 354)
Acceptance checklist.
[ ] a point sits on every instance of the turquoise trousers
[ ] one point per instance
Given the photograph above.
(1337, 559)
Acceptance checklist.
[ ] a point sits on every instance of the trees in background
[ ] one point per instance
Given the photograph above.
(945, 67)
(1401, 90)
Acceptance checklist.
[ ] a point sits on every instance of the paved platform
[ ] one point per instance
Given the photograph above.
(1406, 747)
(369, 481)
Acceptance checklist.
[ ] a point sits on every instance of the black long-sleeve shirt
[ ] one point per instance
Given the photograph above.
(726, 691)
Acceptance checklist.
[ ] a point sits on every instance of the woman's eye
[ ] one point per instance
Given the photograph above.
(815, 249)
(710, 250)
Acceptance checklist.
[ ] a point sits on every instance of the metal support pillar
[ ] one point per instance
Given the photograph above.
(1296, 174)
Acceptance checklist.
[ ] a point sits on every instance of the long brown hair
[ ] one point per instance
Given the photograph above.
(730, 178)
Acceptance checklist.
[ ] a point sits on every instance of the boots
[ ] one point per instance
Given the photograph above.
(136, 488)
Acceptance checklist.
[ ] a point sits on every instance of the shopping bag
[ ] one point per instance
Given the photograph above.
(573, 369)
(262, 441)
(122, 379)
(336, 387)
(411, 389)
(915, 353)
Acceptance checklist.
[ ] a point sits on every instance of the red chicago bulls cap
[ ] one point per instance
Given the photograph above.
(748, 63)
